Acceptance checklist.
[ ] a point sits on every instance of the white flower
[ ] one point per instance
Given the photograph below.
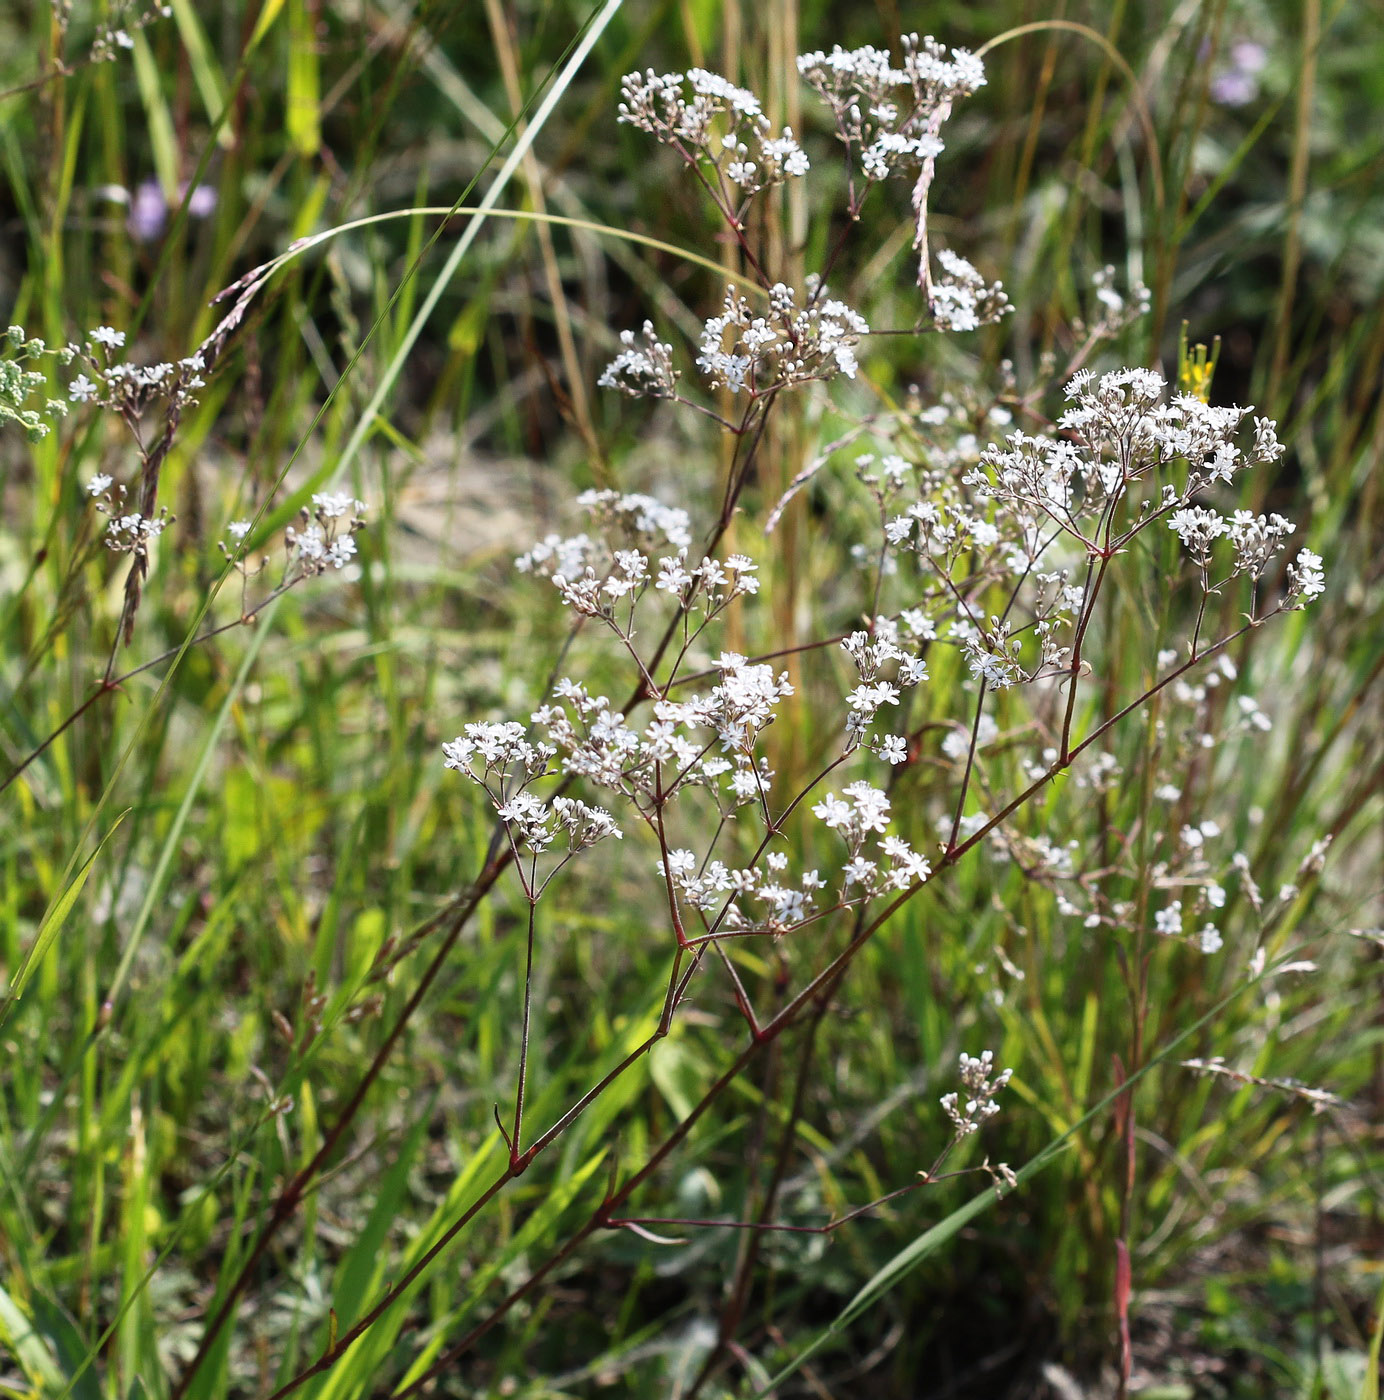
(111, 339)
(871, 807)
(832, 811)
(457, 753)
(1209, 939)
(81, 390)
(893, 749)
(98, 483)
(1197, 527)
(132, 534)
(1169, 921)
(341, 551)
(1305, 578)
(334, 504)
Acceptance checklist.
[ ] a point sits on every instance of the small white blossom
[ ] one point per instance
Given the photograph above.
(981, 1091)
(1305, 578)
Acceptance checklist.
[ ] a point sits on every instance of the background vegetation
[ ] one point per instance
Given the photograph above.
(204, 1008)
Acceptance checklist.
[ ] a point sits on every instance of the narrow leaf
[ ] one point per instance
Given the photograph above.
(52, 923)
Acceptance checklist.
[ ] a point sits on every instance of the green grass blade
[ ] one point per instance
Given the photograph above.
(204, 71)
(31, 1351)
(52, 924)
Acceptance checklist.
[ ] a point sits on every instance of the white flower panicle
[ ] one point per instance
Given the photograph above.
(714, 125)
(962, 300)
(1117, 310)
(875, 860)
(1198, 528)
(128, 389)
(1305, 578)
(888, 117)
(886, 669)
(135, 533)
(594, 575)
(995, 554)
(980, 1091)
(620, 519)
(500, 758)
(642, 371)
(122, 20)
(325, 538)
(761, 901)
(793, 344)
(694, 742)
(1128, 453)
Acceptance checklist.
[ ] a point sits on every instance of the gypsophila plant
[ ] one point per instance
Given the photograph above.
(918, 691)
(999, 556)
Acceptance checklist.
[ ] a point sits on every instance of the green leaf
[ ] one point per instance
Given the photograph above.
(1370, 1389)
(29, 1348)
(678, 1075)
(52, 923)
(163, 143)
(204, 71)
(304, 87)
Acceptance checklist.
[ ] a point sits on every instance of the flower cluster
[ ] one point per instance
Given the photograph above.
(642, 371)
(980, 1090)
(886, 116)
(500, 758)
(325, 538)
(595, 574)
(1123, 431)
(873, 656)
(1117, 310)
(1118, 430)
(891, 120)
(130, 389)
(730, 895)
(875, 860)
(630, 519)
(962, 300)
(793, 344)
(134, 533)
(127, 532)
(998, 553)
(716, 127)
(687, 743)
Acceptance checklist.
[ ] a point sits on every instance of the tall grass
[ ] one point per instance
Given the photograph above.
(259, 1020)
